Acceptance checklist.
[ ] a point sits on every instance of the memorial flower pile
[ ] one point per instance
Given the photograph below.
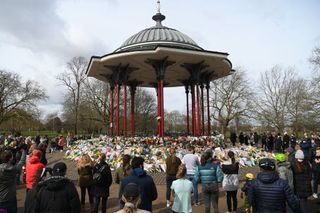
(154, 150)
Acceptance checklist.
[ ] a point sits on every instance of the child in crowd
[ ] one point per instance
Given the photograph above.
(181, 190)
(245, 190)
(284, 169)
(131, 198)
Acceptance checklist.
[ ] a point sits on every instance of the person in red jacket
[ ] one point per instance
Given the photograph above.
(61, 143)
(32, 168)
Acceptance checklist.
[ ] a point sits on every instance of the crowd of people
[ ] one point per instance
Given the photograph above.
(283, 184)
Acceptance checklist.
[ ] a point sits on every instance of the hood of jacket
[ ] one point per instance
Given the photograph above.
(54, 183)
(268, 177)
(139, 172)
(285, 164)
(228, 168)
(34, 160)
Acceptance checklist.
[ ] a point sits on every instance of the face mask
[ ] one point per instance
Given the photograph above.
(300, 160)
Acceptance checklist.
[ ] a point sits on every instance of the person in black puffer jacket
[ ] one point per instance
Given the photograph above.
(101, 188)
(57, 193)
(302, 180)
(268, 193)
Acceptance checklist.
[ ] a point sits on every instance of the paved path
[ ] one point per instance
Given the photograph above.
(160, 204)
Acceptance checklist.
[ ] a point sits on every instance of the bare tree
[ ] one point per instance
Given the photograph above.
(97, 96)
(16, 94)
(146, 111)
(175, 120)
(231, 97)
(53, 122)
(315, 58)
(274, 96)
(315, 84)
(73, 78)
(299, 104)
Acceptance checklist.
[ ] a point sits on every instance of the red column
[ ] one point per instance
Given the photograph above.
(187, 96)
(208, 109)
(193, 111)
(132, 113)
(202, 109)
(198, 111)
(125, 110)
(117, 108)
(162, 108)
(111, 113)
(159, 114)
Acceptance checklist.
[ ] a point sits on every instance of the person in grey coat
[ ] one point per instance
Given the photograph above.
(284, 169)
(8, 172)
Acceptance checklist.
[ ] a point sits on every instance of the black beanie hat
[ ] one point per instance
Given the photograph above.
(59, 169)
(131, 190)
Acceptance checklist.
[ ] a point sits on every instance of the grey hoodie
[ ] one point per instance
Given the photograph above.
(285, 173)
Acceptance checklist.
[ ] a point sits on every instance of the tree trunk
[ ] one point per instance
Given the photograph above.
(77, 109)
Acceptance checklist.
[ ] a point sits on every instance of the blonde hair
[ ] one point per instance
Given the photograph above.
(131, 204)
(85, 161)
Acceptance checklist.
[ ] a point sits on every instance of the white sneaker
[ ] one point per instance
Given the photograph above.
(168, 203)
(315, 195)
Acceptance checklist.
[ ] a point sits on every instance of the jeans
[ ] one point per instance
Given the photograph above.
(103, 204)
(315, 182)
(83, 194)
(170, 179)
(232, 195)
(10, 205)
(303, 205)
(195, 187)
(210, 196)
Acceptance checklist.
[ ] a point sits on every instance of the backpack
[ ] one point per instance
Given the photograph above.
(97, 176)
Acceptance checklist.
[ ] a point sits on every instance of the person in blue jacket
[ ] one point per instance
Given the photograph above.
(210, 175)
(145, 182)
(268, 193)
(306, 147)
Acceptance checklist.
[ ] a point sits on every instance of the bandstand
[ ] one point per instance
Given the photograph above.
(161, 57)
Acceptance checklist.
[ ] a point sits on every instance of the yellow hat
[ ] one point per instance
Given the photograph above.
(250, 176)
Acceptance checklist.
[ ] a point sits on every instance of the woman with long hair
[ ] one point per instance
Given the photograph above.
(210, 175)
(101, 186)
(124, 170)
(131, 198)
(85, 171)
(230, 183)
(302, 179)
(181, 191)
(172, 163)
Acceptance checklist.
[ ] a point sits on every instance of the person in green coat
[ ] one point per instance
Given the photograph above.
(85, 171)
(124, 170)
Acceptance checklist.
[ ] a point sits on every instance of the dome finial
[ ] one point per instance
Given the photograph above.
(158, 17)
(158, 6)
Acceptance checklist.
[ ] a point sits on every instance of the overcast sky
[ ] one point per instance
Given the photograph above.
(38, 37)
